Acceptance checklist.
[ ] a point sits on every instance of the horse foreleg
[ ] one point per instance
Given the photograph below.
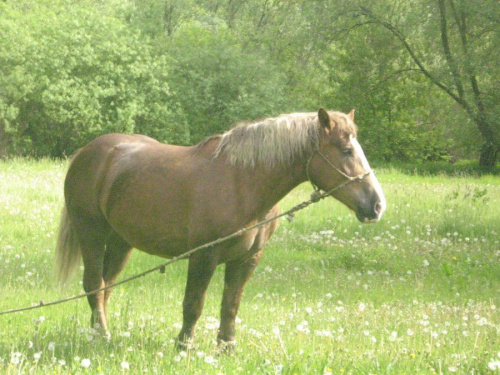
(237, 274)
(200, 272)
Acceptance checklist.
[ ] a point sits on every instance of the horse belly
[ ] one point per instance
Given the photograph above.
(152, 233)
(240, 248)
(165, 248)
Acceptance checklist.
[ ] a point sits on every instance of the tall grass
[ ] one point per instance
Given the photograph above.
(418, 292)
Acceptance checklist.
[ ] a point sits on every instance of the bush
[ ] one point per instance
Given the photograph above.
(218, 82)
(67, 78)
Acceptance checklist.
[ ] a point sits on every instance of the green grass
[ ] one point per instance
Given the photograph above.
(418, 293)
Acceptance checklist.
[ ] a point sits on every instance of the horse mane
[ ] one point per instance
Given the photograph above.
(275, 141)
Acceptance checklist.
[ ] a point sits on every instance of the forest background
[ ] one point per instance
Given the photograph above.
(423, 75)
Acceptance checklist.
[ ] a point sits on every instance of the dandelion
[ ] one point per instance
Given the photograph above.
(426, 263)
(393, 336)
(212, 323)
(85, 363)
(482, 321)
(494, 365)
(125, 365)
(323, 333)
(255, 333)
(304, 327)
(15, 358)
(276, 331)
(410, 332)
(51, 346)
(210, 360)
(361, 307)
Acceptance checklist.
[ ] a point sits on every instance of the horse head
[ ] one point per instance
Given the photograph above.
(338, 164)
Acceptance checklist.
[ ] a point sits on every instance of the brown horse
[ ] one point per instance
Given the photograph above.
(130, 191)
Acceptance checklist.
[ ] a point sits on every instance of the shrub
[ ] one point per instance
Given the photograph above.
(67, 78)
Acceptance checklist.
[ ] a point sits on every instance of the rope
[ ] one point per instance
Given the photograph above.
(316, 196)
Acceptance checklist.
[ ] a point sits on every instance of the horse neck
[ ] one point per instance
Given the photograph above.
(265, 187)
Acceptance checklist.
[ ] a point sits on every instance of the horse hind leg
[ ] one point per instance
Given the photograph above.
(92, 234)
(115, 258)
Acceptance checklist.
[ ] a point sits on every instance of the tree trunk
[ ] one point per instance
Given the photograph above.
(488, 157)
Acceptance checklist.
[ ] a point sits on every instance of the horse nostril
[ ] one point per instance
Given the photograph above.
(378, 208)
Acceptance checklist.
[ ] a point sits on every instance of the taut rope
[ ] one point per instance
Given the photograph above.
(316, 196)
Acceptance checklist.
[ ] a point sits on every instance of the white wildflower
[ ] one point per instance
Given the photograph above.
(210, 360)
(494, 365)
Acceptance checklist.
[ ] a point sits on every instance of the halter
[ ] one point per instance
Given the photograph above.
(317, 193)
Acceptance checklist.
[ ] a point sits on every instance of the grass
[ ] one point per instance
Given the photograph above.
(418, 293)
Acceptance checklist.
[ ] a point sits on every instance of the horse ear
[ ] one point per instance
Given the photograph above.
(324, 118)
(351, 114)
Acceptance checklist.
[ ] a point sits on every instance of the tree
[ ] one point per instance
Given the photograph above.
(217, 81)
(69, 74)
(454, 44)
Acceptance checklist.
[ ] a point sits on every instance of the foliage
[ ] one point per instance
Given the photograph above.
(450, 43)
(421, 75)
(70, 74)
(217, 81)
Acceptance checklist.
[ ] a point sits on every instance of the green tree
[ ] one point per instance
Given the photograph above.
(218, 82)
(69, 74)
(454, 45)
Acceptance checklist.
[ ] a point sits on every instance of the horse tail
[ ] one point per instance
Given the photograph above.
(68, 251)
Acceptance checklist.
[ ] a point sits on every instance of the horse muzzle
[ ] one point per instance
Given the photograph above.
(371, 213)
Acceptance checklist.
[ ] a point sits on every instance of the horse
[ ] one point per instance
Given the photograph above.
(131, 191)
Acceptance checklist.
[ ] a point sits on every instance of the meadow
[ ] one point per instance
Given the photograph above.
(417, 293)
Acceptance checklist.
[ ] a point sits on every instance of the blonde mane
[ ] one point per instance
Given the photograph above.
(275, 141)
(272, 141)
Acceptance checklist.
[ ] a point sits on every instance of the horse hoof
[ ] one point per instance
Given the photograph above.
(184, 345)
(101, 332)
(226, 347)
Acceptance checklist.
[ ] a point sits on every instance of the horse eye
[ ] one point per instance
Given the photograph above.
(347, 152)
